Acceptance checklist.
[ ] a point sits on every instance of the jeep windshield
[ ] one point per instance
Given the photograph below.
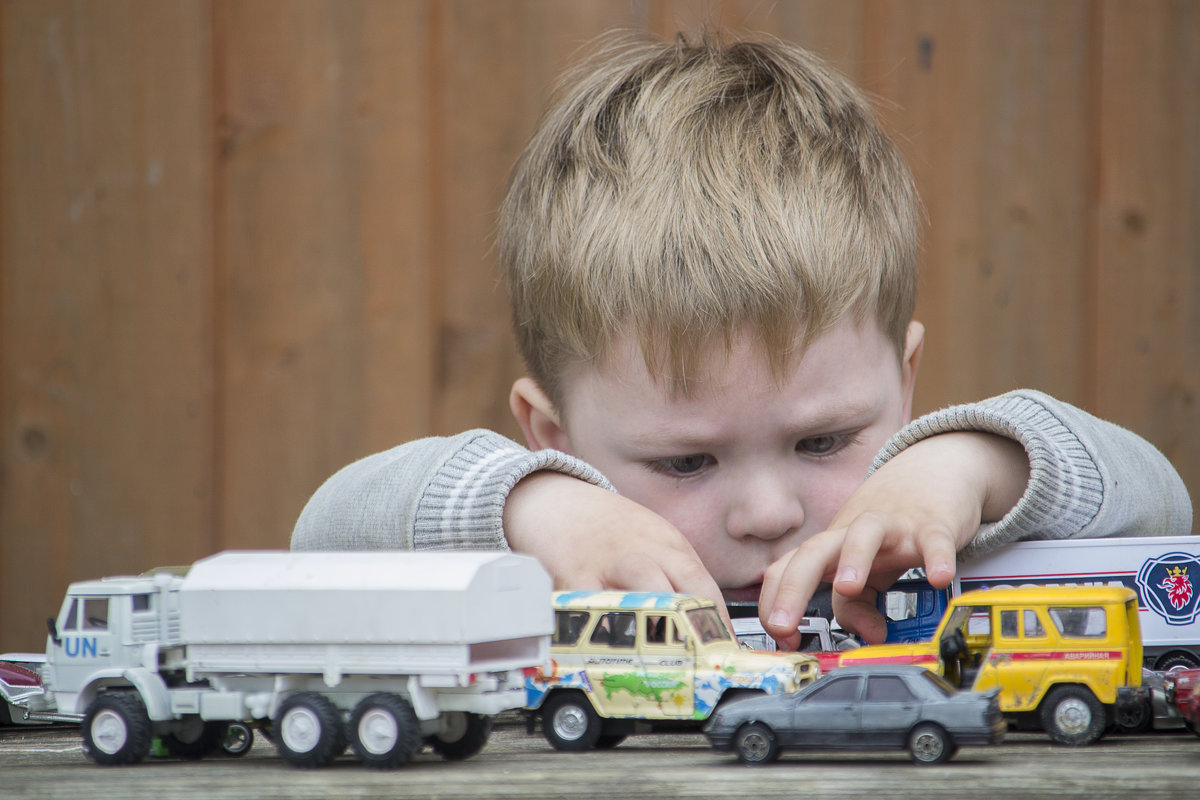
(708, 625)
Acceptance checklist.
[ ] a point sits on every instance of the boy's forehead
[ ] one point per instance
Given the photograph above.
(847, 354)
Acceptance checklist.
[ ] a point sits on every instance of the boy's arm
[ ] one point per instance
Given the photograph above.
(482, 491)
(1024, 464)
(1087, 477)
(442, 493)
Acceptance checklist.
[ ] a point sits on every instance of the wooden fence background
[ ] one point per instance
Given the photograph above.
(244, 243)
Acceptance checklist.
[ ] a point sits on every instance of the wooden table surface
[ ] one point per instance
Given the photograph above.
(49, 763)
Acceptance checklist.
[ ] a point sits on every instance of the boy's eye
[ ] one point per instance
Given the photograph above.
(683, 465)
(821, 445)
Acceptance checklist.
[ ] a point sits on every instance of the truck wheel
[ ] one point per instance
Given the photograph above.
(116, 729)
(569, 722)
(929, 744)
(309, 730)
(755, 744)
(193, 738)
(463, 736)
(1174, 661)
(384, 731)
(1072, 715)
(236, 739)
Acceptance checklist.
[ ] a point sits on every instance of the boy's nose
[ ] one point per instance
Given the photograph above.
(765, 508)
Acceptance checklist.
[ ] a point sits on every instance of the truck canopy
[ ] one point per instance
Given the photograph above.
(382, 597)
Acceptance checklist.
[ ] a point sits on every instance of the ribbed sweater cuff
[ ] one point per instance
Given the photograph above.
(463, 506)
(1065, 489)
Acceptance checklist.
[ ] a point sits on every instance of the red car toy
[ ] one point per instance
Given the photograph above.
(1183, 691)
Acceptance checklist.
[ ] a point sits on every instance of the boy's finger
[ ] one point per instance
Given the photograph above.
(791, 582)
(939, 551)
(859, 615)
(864, 536)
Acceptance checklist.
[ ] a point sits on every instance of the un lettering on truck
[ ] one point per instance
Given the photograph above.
(1162, 570)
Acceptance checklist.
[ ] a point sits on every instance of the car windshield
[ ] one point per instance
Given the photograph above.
(940, 683)
(708, 625)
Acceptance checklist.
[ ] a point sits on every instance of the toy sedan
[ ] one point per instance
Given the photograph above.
(868, 707)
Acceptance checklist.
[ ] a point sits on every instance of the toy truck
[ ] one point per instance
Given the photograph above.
(631, 662)
(1162, 570)
(1066, 660)
(381, 651)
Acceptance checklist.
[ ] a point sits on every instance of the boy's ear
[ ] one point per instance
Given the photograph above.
(914, 343)
(537, 416)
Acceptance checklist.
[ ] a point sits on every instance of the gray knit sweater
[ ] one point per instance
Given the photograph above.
(1088, 478)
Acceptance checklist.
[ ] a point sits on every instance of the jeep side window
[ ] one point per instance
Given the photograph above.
(568, 625)
(1084, 622)
(656, 629)
(616, 629)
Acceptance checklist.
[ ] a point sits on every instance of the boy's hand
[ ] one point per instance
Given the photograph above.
(590, 538)
(918, 509)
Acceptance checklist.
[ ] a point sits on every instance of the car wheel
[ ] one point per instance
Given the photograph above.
(755, 744)
(308, 730)
(570, 723)
(384, 731)
(1136, 719)
(464, 736)
(1072, 715)
(193, 738)
(116, 729)
(930, 744)
(236, 739)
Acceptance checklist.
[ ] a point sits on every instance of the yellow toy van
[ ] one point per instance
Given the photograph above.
(1067, 659)
(628, 662)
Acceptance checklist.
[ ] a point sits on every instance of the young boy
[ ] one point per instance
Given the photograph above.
(711, 255)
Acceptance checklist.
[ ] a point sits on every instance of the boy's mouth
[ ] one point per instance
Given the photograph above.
(744, 594)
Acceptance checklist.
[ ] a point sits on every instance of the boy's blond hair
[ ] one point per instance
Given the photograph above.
(691, 192)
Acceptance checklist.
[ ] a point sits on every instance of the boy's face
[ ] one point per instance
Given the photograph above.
(748, 466)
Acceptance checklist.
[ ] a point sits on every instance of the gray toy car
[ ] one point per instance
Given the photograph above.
(869, 707)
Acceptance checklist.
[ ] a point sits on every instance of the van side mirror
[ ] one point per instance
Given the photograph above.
(50, 624)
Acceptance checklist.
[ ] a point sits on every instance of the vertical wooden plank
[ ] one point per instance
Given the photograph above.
(1147, 342)
(105, 372)
(992, 108)
(495, 65)
(323, 238)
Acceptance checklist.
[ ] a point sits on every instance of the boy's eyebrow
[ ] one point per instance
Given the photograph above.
(847, 415)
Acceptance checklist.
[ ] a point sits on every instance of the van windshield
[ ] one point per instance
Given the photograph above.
(708, 625)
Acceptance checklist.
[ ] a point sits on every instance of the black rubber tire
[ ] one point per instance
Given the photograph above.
(1138, 719)
(384, 731)
(193, 739)
(236, 739)
(930, 744)
(1176, 660)
(755, 744)
(472, 732)
(569, 722)
(308, 730)
(1072, 715)
(116, 729)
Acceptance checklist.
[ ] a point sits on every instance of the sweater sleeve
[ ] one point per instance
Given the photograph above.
(440, 493)
(1087, 477)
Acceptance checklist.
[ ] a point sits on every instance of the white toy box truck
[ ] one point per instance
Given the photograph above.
(381, 651)
(1163, 570)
